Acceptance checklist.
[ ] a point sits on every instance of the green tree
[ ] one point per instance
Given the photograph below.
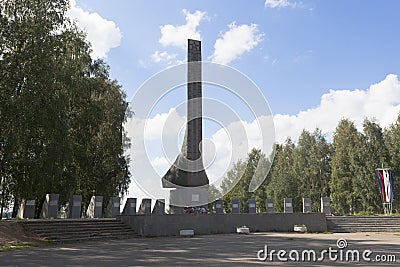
(372, 154)
(392, 141)
(283, 182)
(213, 194)
(311, 166)
(346, 146)
(62, 115)
(239, 177)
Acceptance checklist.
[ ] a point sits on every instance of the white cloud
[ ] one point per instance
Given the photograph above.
(164, 124)
(146, 148)
(161, 164)
(162, 56)
(236, 140)
(221, 150)
(235, 42)
(380, 101)
(279, 3)
(103, 34)
(178, 35)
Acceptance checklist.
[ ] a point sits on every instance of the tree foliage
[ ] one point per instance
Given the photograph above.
(343, 169)
(61, 114)
(238, 180)
(346, 142)
(311, 166)
(392, 141)
(283, 182)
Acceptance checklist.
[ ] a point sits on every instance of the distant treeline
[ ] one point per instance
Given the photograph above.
(313, 167)
(61, 116)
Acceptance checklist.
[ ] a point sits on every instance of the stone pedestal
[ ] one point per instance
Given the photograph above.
(130, 207)
(145, 206)
(95, 208)
(287, 205)
(112, 210)
(159, 207)
(235, 206)
(187, 197)
(27, 209)
(218, 206)
(307, 205)
(269, 205)
(326, 205)
(75, 207)
(252, 206)
(50, 207)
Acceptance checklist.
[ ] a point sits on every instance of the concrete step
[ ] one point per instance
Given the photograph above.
(71, 222)
(368, 229)
(89, 238)
(364, 225)
(71, 227)
(79, 230)
(342, 224)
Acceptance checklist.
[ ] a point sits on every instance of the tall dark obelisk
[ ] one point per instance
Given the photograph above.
(188, 170)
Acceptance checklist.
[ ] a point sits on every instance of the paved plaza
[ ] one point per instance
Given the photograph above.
(211, 250)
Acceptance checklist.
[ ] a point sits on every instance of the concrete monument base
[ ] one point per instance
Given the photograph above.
(170, 225)
(187, 197)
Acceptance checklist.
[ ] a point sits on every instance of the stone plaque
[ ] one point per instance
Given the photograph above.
(218, 207)
(235, 206)
(145, 206)
(75, 207)
(195, 197)
(252, 206)
(326, 205)
(306, 205)
(50, 207)
(288, 208)
(95, 209)
(159, 207)
(130, 207)
(26, 209)
(269, 204)
(112, 210)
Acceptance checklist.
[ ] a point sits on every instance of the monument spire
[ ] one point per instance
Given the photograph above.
(188, 170)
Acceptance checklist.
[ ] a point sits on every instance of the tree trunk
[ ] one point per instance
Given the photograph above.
(15, 208)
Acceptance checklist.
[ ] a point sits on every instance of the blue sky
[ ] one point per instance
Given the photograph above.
(306, 50)
(314, 61)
